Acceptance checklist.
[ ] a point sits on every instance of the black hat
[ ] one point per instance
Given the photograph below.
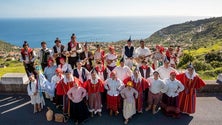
(25, 43)
(73, 35)
(155, 72)
(57, 40)
(68, 71)
(190, 66)
(85, 44)
(122, 60)
(129, 40)
(166, 60)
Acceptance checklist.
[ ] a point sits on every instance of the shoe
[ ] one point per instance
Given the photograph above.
(148, 108)
(110, 112)
(140, 112)
(116, 113)
(126, 122)
(99, 113)
(91, 114)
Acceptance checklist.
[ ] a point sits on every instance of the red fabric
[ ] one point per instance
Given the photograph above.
(144, 67)
(23, 51)
(113, 102)
(140, 87)
(93, 88)
(187, 98)
(62, 88)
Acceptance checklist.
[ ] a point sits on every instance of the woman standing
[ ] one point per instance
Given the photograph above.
(129, 94)
(170, 99)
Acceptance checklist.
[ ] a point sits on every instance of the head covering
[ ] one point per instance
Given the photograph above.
(142, 41)
(166, 60)
(129, 40)
(30, 74)
(155, 72)
(57, 40)
(61, 58)
(122, 60)
(73, 35)
(129, 83)
(58, 70)
(173, 73)
(85, 44)
(25, 43)
(111, 48)
(68, 71)
(97, 45)
(190, 66)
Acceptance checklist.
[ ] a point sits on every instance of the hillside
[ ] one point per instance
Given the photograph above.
(7, 47)
(193, 33)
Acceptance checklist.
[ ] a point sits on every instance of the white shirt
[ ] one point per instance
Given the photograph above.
(55, 79)
(165, 72)
(65, 66)
(33, 88)
(41, 52)
(142, 52)
(113, 86)
(157, 86)
(110, 56)
(80, 74)
(173, 87)
(122, 72)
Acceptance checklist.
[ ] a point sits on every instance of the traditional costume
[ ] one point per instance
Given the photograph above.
(170, 99)
(79, 111)
(129, 94)
(122, 71)
(58, 51)
(128, 53)
(113, 87)
(140, 85)
(87, 58)
(44, 55)
(94, 88)
(99, 55)
(111, 58)
(191, 82)
(157, 86)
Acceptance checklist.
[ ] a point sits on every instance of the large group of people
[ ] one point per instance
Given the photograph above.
(84, 81)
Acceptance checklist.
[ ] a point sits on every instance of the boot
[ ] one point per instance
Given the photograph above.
(154, 109)
(148, 108)
(39, 107)
(111, 112)
(91, 114)
(126, 121)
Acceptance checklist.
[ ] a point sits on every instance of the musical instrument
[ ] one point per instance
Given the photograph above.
(141, 58)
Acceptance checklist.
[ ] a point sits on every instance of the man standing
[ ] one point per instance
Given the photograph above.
(28, 58)
(58, 51)
(122, 71)
(128, 53)
(142, 53)
(44, 54)
(87, 57)
(73, 48)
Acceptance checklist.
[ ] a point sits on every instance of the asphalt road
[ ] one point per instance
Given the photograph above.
(17, 110)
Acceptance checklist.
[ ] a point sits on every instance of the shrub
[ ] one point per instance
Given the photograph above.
(185, 59)
(201, 66)
(216, 64)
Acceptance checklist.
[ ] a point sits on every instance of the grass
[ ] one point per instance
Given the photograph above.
(13, 67)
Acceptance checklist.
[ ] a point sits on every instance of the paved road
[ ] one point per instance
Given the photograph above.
(17, 110)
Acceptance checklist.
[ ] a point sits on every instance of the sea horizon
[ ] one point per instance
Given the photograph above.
(87, 29)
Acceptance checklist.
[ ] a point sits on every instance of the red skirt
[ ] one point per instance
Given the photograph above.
(113, 102)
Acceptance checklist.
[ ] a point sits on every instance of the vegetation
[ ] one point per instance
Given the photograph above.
(12, 67)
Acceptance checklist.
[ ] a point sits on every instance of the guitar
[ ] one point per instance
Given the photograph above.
(141, 58)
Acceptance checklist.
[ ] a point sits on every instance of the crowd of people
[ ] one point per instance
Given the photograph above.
(84, 81)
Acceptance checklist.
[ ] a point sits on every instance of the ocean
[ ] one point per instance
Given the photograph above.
(97, 29)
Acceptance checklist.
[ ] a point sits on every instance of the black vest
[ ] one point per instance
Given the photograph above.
(76, 74)
(147, 75)
(45, 56)
(129, 51)
(55, 49)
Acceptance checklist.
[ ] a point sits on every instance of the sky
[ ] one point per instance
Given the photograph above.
(108, 8)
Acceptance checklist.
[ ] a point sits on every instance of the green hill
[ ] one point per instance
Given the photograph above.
(7, 47)
(193, 33)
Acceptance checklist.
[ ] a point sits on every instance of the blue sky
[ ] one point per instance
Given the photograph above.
(97, 8)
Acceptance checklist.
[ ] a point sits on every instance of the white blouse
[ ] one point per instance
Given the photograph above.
(173, 87)
(113, 86)
(157, 86)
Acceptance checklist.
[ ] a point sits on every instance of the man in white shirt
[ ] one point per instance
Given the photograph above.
(122, 71)
(157, 87)
(165, 70)
(80, 72)
(142, 53)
